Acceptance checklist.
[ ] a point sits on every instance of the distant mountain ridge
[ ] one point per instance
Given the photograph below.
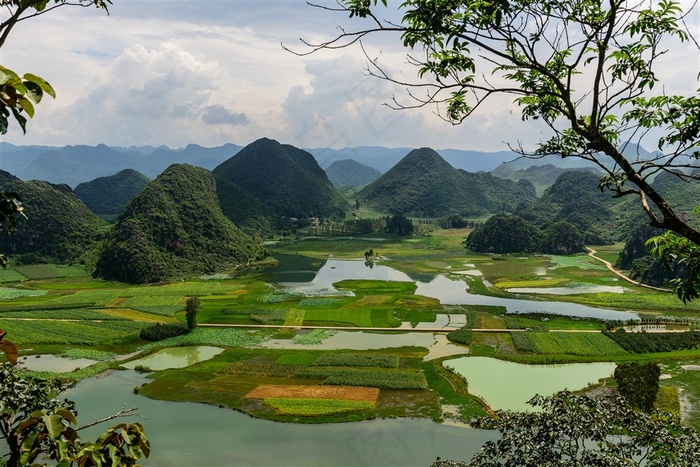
(76, 164)
(349, 172)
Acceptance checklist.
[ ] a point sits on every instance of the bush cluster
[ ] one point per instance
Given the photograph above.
(160, 331)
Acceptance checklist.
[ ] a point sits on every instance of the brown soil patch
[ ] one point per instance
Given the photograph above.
(315, 392)
(118, 301)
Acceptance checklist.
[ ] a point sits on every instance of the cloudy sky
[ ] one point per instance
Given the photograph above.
(158, 72)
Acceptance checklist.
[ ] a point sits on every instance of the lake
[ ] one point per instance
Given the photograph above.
(190, 434)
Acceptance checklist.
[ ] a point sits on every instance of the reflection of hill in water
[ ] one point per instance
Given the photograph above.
(295, 268)
(420, 276)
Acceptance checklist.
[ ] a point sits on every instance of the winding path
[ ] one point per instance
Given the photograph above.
(592, 252)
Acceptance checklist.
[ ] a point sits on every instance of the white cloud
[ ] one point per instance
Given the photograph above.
(220, 115)
(210, 72)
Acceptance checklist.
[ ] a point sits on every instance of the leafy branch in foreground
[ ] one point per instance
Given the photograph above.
(576, 430)
(36, 427)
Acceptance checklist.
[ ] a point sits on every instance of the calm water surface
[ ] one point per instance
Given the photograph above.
(175, 357)
(189, 434)
(508, 385)
(449, 291)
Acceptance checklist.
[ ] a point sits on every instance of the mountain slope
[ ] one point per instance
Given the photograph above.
(286, 179)
(423, 184)
(174, 228)
(348, 172)
(108, 196)
(58, 227)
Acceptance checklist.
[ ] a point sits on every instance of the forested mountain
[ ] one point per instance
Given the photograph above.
(108, 196)
(245, 210)
(58, 227)
(423, 184)
(574, 198)
(348, 172)
(174, 228)
(286, 179)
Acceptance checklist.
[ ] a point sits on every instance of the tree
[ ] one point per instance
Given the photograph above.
(399, 225)
(561, 238)
(638, 383)
(576, 430)
(34, 423)
(585, 68)
(191, 309)
(504, 234)
(679, 253)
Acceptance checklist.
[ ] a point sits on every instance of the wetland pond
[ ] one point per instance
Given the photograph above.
(175, 357)
(191, 434)
(317, 279)
(509, 385)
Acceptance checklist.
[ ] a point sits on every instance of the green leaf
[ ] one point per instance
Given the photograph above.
(34, 92)
(27, 106)
(68, 415)
(43, 84)
(54, 425)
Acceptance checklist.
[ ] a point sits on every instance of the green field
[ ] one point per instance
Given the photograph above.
(59, 309)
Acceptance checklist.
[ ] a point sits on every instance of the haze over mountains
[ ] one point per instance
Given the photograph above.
(77, 164)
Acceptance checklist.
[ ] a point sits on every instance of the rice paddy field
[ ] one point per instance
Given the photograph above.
(56, 309)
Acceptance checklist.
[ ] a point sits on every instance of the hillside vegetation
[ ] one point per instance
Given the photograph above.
(108, 196)
(423, 184)
(174, 228)
(57, 226)
(286, 179)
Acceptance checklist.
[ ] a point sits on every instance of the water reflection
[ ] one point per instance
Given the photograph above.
(175, 357)
(449, 291)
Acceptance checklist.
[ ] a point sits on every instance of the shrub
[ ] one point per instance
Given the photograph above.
(160, 331)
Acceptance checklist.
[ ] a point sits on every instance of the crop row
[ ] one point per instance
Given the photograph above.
(224, 337)
(573, 343)
(11, 293)
(383, 379)
(349, 359)
(309, 407)
(643, 342)
(70, 332)
(250, 368)
(68, 313)
(521, 342)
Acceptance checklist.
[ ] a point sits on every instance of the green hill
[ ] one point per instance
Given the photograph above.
(108, 196)
(243, 209)
(348, 172)
(58, 227)
(174, 228)
(423, 184)
(286, 179)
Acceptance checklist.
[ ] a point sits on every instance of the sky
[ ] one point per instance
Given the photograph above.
(158, 72)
